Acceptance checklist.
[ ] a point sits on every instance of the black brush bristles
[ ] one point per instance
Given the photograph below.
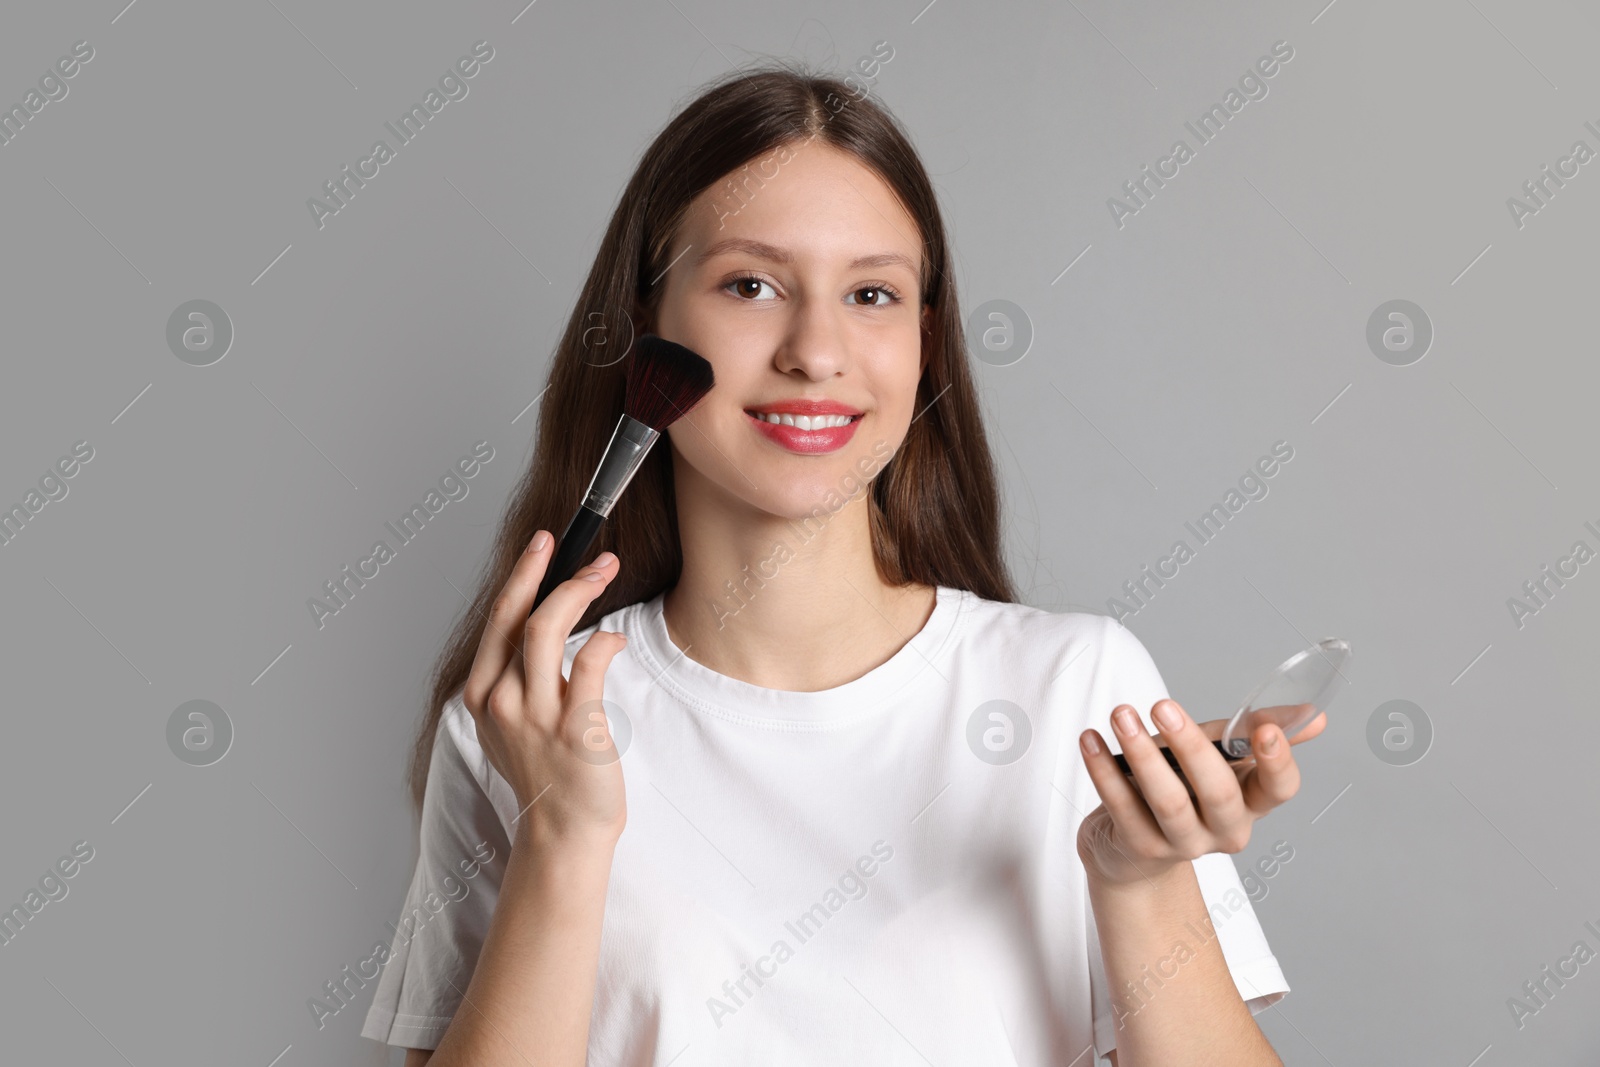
(665, 380)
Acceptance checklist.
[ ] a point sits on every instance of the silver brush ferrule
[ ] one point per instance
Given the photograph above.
(630, 441)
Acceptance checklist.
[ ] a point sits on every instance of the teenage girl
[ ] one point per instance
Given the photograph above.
(787, 775)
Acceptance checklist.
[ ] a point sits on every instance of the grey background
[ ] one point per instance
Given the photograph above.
(1228, 314)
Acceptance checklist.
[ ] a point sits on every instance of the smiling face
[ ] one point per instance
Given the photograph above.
(805, 299)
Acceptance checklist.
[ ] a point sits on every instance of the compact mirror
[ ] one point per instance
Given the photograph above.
(1297, 690)
(1292, 696)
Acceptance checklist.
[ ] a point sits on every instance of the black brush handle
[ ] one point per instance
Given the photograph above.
(570, 552)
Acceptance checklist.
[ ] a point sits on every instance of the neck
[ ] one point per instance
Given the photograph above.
(807, 609)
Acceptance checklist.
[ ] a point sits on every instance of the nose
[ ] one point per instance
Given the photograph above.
(814, 344)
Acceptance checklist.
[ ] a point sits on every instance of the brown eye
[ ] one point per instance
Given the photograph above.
(748, 287)
(889, 296)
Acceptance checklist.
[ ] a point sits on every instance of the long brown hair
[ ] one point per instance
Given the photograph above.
(934, 508)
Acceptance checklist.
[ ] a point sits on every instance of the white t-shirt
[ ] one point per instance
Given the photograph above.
(884, 872)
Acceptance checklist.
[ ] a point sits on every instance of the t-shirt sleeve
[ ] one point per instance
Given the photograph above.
(463, 848)
(1127, 675)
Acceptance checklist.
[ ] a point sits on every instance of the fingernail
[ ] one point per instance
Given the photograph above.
(1090, 745)
(1126, 722)
(540, 539)
(1270, 745)
(1167, 717)
(604, 559)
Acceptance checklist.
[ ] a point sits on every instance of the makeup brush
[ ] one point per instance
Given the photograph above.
(665, 380)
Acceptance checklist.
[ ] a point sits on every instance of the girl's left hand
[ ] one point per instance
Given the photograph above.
(1140, 833)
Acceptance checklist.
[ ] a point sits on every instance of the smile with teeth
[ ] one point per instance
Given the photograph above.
(804, 422)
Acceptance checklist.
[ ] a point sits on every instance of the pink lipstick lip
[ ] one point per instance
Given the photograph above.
(808, 442)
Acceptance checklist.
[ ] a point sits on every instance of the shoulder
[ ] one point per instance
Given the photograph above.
(1027, 636)
(461, 768)
(1028, 628)
(456, 750)
(457, 728)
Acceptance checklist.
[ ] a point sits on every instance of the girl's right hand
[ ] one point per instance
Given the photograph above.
(547, 735)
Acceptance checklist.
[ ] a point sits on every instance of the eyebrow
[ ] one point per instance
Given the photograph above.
(774, 254)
